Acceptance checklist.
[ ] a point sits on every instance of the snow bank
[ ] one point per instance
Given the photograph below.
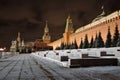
(78, 53)
(8, 54)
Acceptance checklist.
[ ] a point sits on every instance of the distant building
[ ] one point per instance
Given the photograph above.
(39, 45)
(13, 47)
(19, 45)
(42, 44)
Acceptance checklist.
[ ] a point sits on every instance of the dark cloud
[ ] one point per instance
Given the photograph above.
(29, 16)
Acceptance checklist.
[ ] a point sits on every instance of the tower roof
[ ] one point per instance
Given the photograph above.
(69, 16)
(46, 27)
(18, 33)
(46, 37)
(18, 37)
(69, 24)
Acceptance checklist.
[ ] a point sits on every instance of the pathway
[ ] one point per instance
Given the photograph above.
(30, 67)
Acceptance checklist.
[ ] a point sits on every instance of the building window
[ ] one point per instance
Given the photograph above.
(102, 23)
(113, 19)
(110, 20)
(116, 18)
(106, 22)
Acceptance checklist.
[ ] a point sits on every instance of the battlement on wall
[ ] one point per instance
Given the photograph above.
(107, 19)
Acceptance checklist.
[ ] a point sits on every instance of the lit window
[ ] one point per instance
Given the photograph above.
(116, 18)
(113, 19)
(110, 20)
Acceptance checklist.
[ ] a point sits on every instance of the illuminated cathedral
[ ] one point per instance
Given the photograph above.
(19, 45)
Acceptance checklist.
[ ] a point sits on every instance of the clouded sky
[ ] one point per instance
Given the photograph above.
(29, 16)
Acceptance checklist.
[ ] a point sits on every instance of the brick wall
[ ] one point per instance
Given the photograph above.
(91, 31)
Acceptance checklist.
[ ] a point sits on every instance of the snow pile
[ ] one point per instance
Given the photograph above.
(8, 54)
(77, 53)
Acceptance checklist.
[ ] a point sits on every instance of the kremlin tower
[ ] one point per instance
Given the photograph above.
(68, 30)
(46, 37)
(19, 39)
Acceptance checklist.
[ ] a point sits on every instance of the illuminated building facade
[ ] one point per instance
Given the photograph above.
(26, 47)
(46, 37)
(99, 24)
(42, 44)
(20, 46)
(68, 31)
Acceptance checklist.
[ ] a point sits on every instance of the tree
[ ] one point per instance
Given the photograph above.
(71, 46)
(57, 48)
(81, 44)
(99, 41)
(86, 43)
(62, 45)
(116, 36)
(118, 43)
(66, 46)
(74, 45)
(91, 42)
(94, 42)
(108, 40)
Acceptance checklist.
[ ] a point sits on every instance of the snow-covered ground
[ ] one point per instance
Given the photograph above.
(55, 55)
(37, 67)
(31, 67)
(8, 54)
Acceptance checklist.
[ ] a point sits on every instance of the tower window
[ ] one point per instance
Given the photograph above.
(113, 19)
(106, 22)
(110, 20)
(103, 23)
(116, 18)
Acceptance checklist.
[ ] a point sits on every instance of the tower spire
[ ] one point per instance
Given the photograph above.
(19, 39)
(69, 24)
(68, 30)
(23, 43)
(102, 7)
(68, 16)
(46, 36)
(46, 27)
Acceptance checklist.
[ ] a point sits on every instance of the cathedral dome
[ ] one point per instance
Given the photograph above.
(99, 16)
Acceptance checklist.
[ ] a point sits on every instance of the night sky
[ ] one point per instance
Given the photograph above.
(29, 16)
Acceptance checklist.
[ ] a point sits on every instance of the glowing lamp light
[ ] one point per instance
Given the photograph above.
(2, 49)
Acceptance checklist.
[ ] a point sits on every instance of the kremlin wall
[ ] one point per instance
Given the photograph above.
(99, 24)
